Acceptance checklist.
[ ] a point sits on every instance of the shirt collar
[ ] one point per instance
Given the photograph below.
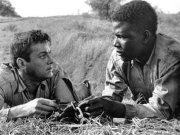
(20, 84)
(43, 85)
(151, 56)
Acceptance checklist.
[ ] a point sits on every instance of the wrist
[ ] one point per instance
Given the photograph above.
(131, 111)
(121, 113)
(117, 110)
(10, 115)
(17, 112)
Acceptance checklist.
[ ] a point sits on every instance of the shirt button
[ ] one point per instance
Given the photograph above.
(42, 87)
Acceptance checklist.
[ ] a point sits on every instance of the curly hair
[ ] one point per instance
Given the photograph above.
(21, 45)
(139, 13)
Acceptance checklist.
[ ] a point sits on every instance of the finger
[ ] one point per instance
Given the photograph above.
(94, 107)
(86, 114)
(84, 104)
(62, 106)
(49, 102)
(43, 107)
(88, 98)
(40, 112)
(94, 100)
(96, 113)
(69, 108)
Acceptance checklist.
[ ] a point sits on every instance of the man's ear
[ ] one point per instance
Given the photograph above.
(147, 36)
(21, 63)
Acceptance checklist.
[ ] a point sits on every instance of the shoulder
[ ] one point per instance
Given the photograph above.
(58, 70)
(6, 75)
(8, 82)
(167, 52)
(167, 47)
(58, 74)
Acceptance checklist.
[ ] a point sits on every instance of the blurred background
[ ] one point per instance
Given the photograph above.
(81, 31)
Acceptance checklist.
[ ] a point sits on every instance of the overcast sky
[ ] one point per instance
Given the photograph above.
(27, 8)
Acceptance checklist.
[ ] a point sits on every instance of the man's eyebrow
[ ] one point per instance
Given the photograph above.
(121, 33)
(44, 52)
(118, 33)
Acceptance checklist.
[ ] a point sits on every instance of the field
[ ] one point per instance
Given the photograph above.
(82, 46)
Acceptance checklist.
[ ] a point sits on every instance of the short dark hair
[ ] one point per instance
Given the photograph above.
(21, 45)
(139, 13)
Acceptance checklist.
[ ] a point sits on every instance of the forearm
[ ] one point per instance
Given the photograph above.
(4, 114)
(143, 111)
(37, 106)
(18, 111)
(14, 112)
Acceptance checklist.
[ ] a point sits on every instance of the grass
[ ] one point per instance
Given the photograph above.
(82, 45)
(47, 127)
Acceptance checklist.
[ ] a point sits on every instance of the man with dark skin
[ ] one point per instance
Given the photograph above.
(146, 63)
(33, 81)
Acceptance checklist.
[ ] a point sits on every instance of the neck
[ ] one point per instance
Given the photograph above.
(30, 82)
(147, 53)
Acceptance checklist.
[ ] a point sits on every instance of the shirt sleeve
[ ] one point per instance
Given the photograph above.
(63, 87)
(165, 96)
(115, 84)
(4, 108)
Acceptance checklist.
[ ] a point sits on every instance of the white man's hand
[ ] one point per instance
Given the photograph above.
(37, 106)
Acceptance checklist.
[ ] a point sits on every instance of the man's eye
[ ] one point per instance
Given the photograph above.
(42, 56)
(120, 36)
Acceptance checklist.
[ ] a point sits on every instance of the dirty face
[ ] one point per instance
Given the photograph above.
(40, 66)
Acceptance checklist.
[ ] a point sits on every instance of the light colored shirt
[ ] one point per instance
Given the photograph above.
(157, 84)
(13, 90)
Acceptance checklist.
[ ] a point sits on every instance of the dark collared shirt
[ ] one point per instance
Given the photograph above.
(157, 83)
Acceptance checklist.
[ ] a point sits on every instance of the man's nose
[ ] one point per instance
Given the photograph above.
(116, 43)
(50, 60)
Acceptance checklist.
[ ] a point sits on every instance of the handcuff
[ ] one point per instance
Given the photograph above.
(78, 111)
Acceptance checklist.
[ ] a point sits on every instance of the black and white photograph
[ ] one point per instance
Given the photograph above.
(89, 67)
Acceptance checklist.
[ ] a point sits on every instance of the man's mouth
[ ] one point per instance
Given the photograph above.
(121, 53)
(50, 69)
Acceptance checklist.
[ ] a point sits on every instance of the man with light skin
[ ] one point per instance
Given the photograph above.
(146, 63)
(32, 82)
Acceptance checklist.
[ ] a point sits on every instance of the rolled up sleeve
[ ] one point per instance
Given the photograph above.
(142, 111)
(165, 97)
(166, 93)
(4, 109)
(115, 85)
(63, 87)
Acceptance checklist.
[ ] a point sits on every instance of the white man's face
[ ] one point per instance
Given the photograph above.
(40, 66)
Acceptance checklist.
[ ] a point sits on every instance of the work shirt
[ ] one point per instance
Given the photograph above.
(13, 90)
(156, 85)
